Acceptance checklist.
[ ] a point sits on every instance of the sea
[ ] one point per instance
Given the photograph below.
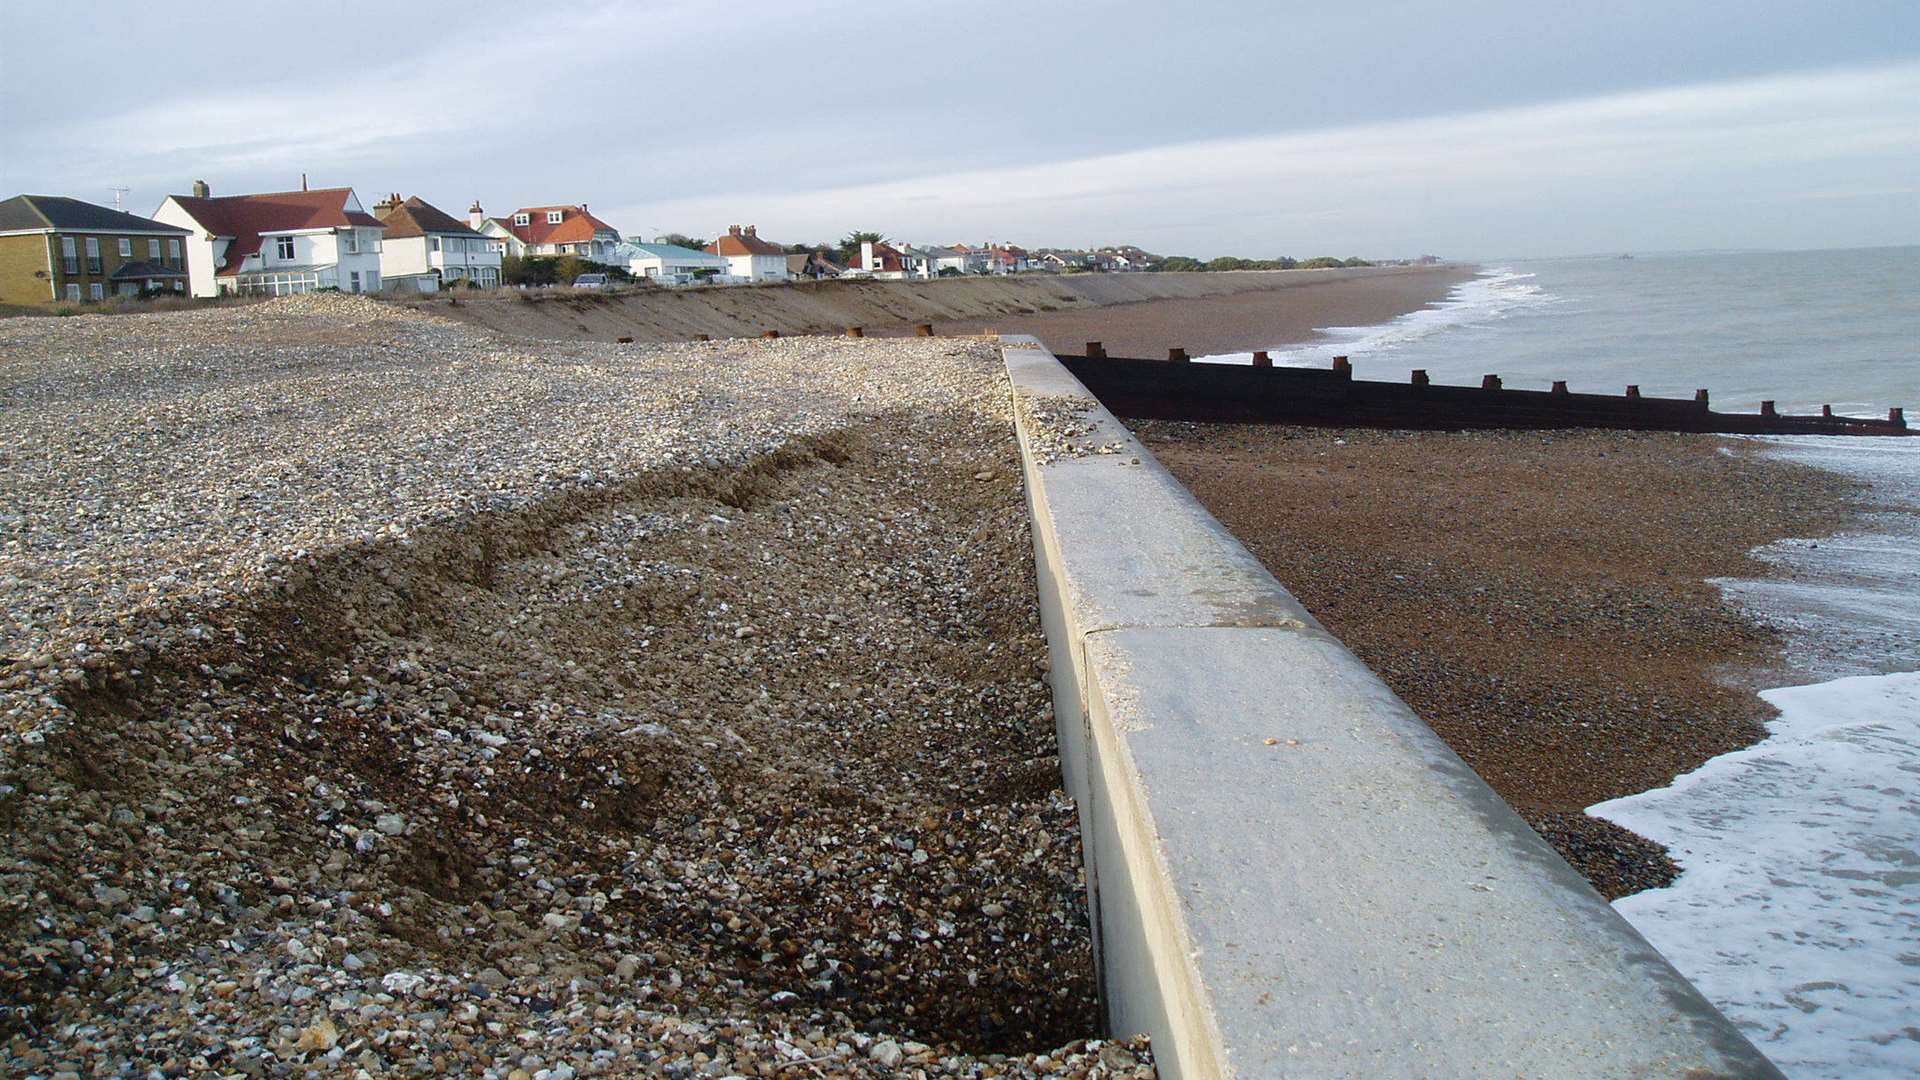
(1797, 908)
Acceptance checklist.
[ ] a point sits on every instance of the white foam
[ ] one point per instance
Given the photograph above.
(1492, 295)
(1798, 912)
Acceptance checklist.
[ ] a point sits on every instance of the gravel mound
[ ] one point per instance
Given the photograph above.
(387, 697)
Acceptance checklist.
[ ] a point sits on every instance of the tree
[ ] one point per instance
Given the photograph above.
(1322, 262)
(850, 245)
(678, 240)
(1356, 261)
(1178, 264)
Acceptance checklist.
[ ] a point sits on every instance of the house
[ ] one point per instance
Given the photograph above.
(1007, 259)
(671, 264)
(893, 262)
(53, 248)
(749, 257)
(551, 230)
(426, 249)
(945, 259)
(277, 243)
(816, 265)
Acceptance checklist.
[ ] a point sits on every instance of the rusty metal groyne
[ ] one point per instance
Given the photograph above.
(1177, 388)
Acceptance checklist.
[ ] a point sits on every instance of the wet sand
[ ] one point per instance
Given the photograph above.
(1241, 322)
(1537, 597)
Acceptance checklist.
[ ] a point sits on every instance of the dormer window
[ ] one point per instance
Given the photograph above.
(351, 240)
(554, 216)
(519, 219)
(283, 247)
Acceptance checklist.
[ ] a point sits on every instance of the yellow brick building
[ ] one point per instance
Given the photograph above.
(59, 250)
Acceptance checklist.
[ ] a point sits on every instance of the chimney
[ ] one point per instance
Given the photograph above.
(733, 230)
(866, 255)
(750, 230)
(201, 190)
(386, 204)
(303, 181)
(476, 217)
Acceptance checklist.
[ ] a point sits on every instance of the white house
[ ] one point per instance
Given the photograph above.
(671, 264)
(550, 230)
(892, 262)
(750, 258)
(426, 249)
(279, 243)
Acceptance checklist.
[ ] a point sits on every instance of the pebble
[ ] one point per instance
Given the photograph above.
(442, 728)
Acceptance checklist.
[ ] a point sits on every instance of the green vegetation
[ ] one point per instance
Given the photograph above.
(554, 270)
(850, 244)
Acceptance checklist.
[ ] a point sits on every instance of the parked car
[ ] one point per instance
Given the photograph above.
(590, 281)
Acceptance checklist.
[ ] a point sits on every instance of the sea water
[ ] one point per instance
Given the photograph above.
(1797, 909)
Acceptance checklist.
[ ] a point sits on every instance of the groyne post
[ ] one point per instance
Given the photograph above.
(855, 331)
(1096, 350)
(1633, 390)
(1700, 398)
(1420, 377)
(623, 339)
(1560, 386)
(1826, 412)
(1343, 367)
(1261, 359)
(1766, 409)
(923, 330)
(1489, 382)
(1177, 356)
(771, 334)
(1897, 416)
(702, 337)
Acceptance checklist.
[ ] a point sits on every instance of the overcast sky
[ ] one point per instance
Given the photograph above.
(1463, 127)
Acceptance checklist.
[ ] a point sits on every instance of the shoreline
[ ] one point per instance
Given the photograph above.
(1484, 577)
(1285, 314)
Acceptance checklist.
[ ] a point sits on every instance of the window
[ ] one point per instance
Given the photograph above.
(126, 248)
(554, 216)
(350, 241)
(519, 219)
(93, 254)
(97, 291)
(73, 292)
(355, 279)
(71, 262)
(153, 249)
(436, 242)
(283, 247)
(173, 250)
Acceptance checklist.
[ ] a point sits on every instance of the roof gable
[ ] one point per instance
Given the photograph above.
(576, 225)
(245, 217)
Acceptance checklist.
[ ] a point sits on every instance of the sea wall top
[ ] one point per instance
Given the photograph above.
(1290, 873)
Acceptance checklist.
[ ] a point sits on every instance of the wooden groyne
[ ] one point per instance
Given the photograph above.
(1177, 388)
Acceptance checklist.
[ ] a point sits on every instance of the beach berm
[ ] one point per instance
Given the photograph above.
(385, 694)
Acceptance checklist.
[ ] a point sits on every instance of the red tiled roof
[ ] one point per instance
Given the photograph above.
(576, 225)
(738, 242)
(245, 217)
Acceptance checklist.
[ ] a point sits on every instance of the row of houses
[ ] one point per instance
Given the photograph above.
(54, 248)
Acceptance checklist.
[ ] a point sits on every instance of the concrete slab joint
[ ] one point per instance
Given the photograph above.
(1288, 873)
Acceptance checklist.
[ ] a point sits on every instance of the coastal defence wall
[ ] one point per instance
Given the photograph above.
(829, 307)
(1288, 872)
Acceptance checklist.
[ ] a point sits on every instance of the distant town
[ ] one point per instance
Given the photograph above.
(59, 250)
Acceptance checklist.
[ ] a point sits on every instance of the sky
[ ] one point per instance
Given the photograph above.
(1381, 128)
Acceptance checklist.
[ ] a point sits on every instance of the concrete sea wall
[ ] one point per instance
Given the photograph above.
(1289, 873)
